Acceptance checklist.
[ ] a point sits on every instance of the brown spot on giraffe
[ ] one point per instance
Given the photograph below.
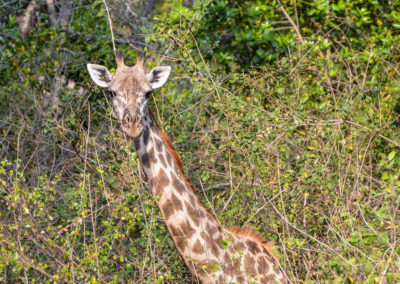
(198, 247)
(169, 159)
(178, 237)
(211, 229)
(231, 265)
(201, 213)
(187, 229)
(268, 279)
(227, 258)
(160, 182)
(240, 246)
(178, 184)
(192, 199)
(145, 160)
(146, 133)
(170, 206)
(159, 145)
(175, 202)
(167, 210)
(136, 143)
(263, 266)
(252, 247)
(175, 232)
(162, 160)
(152, 157)
(211, 244)
(193, 213)
(181, 243)
(249, 264)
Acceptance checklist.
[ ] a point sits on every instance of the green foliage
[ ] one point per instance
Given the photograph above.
(241, 32)
(299, 141)
(257, 33)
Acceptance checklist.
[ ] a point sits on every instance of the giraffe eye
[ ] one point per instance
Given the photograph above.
(111, 94)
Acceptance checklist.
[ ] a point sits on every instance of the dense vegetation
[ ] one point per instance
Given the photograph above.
(295, 133)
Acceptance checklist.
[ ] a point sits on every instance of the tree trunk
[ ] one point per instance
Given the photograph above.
(26, 20)
(52, 13)
(65, 12)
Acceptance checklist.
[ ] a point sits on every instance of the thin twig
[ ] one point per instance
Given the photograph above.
(366, 68)
(231, 186)
(110, 23)
(205, 64)
(296, 29)
(396, 144)
(311, 237)
(171, 44)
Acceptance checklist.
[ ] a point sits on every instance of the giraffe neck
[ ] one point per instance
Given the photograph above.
(190, 223)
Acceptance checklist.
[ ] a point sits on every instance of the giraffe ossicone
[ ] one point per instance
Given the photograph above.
(214, 254)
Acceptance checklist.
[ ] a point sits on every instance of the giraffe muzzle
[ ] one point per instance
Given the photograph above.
(132, 123)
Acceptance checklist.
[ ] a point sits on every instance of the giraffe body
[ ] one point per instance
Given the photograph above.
(213, 253)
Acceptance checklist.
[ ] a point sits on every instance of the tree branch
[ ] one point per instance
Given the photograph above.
(296, 29)
(111, 28)
(52, 13)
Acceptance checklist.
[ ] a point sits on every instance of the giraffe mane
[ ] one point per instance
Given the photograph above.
(251, 233)
(178, 163)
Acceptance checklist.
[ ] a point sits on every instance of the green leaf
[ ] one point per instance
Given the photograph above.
(385, 176)
(391, 155)
(11, 19)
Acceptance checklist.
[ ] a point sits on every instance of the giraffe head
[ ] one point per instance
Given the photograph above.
(130, 88)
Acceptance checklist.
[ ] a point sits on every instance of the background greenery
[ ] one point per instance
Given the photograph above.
(298, 138)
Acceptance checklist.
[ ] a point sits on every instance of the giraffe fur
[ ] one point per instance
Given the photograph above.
(213, 253)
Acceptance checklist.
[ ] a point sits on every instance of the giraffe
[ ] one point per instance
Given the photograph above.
(213, 253)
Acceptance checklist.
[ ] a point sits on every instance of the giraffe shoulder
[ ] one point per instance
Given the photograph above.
(252, 234)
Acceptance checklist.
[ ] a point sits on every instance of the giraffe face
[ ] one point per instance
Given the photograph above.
(130, 88)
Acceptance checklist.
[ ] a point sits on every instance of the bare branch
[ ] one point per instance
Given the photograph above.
(111, 28)
(296, 29)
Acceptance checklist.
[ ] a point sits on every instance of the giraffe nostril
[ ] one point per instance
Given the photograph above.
(138, 118)
(130, 117)
(127, 119)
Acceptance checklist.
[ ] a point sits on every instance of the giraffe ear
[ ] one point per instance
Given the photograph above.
(158, 76)
(100, 75)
